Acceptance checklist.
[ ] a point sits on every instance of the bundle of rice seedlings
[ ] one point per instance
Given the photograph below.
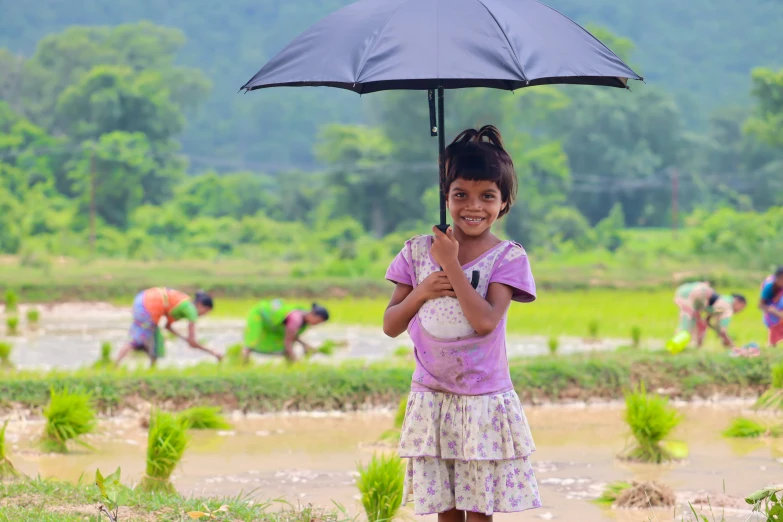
(651, 420)
(234, 356)
(105, 359)
(612, 491)
(381, 487)
(166, 443)
(69, 415)
(742, 427)
(7, 469)
(553, 344)
(5, 355)
(772, 399)
(643, 495)
(203, 418)
(636, 336)
(11, 301)
(12, 325)
(33, 316)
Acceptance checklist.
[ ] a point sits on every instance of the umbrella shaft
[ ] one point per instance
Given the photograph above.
(442, 159)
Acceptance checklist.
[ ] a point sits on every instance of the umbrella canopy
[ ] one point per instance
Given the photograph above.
(376, 45)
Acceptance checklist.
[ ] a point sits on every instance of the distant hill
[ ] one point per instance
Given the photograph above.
(701, 50)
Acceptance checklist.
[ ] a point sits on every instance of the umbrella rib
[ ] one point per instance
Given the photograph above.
(371, 48)
(516, 58)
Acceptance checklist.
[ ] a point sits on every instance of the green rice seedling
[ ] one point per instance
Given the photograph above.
(592, 329)
(105, 359)
(12, 325)
(5, 355)
(612, 491)
(381, 487)
(742, 427)
(553, 344)
(11, 301)
(33, 316)
(166, 443)
(772, 399)
(651, 420)
(7, 469)
(636, 336)
(69, 415)
(233, 356)
(112, 494)
(203, 418)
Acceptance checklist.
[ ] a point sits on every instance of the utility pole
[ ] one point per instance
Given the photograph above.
(92, 201)
(675, 201)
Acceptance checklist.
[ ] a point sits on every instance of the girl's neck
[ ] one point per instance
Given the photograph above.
(471, 247)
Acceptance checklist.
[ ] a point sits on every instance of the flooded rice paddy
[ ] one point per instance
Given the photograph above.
(70, 334)
(311, 459)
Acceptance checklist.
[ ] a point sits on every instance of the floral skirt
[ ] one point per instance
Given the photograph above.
(469, 453)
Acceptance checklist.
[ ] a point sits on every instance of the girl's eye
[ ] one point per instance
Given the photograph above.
(459, 194)
(489, 196)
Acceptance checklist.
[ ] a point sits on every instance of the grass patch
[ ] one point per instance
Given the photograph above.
(42, 500)
(381, 484)
(69, 415)
(166, 443)
(651, 420)
(356, 384)
(204, 418)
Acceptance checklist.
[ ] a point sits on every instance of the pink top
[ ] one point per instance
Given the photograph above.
(450, 356)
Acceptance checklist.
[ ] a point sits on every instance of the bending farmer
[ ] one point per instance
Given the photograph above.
(721, 312)
(693, 299)
(771, 303)
(274, 326)
(155, 303)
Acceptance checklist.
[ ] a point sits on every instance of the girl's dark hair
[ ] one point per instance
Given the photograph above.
(478, 155)
(320, 311)
(779, 271)
(203, 299)
(740, 298)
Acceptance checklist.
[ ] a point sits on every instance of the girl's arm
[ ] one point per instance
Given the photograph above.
(403, 305)
(482, 314)
(406, 301)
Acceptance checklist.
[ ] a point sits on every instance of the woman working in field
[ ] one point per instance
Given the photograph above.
(693, 299)
(771, 303)
(274, 327)
(155, 303)
(719, 315)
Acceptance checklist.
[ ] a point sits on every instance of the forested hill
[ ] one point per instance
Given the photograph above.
(700, 50)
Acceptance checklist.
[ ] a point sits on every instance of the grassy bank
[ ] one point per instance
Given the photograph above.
(62, 279)
(56, 501)
(351, 386)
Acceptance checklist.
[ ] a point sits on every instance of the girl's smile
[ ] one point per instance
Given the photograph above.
(474, 205)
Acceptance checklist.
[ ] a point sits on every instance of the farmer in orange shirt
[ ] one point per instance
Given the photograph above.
(150, 306)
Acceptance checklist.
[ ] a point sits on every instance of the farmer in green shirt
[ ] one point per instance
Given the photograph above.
(273, 327)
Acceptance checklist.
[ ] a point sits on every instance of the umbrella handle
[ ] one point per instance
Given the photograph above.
(438, 130)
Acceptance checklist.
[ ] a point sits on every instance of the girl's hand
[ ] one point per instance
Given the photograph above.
(435, 285)
(444, 247)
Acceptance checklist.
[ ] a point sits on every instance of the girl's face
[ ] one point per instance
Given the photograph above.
(474, 205)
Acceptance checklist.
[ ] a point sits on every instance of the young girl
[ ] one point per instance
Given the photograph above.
(465, 434)
(155, 303)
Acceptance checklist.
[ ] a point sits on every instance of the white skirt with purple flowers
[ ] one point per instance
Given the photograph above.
(469, 453)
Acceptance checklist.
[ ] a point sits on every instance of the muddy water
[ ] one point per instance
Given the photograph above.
(70, 336)
(312, 459)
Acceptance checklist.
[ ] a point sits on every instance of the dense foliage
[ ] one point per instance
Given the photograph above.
(91, 125)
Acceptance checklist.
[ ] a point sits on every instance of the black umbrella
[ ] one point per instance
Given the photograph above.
(377, 45)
